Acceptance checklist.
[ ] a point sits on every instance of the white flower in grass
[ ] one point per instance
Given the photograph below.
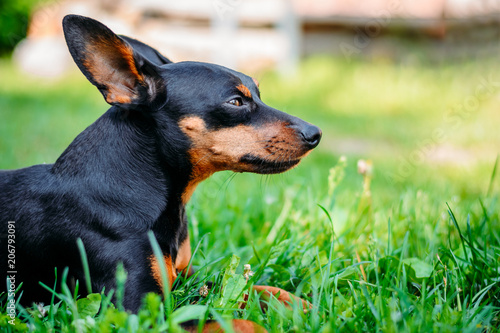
(247, 272)
(365, 167)
(204, 291)
(41, 309)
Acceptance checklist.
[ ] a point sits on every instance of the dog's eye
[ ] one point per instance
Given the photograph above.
(236, 102)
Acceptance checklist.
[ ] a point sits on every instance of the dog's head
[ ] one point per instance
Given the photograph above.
(217, 110)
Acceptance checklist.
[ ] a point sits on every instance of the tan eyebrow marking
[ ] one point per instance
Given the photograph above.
(255, 81)
(244, 90)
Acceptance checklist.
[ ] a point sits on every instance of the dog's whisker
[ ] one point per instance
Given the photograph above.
(204, 157)
(228, 180)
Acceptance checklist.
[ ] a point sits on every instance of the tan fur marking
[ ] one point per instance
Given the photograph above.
(183, 256)
(100, 59)
(218, 150)
(246, 326)
(256, 82)
(189, 190)
(244, 90)
(239, 326)
(117, 97)
(284, 296)
(156, 271)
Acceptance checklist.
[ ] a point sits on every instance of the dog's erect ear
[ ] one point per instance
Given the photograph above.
(147, 51)
(123, 76)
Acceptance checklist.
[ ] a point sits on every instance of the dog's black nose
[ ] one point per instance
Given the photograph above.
(311, 135)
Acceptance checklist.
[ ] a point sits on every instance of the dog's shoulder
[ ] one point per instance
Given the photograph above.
(21, 190)
(24, 176)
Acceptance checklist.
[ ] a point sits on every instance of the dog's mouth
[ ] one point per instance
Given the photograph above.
(264, 166)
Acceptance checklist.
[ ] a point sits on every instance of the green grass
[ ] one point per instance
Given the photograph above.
(413, 247)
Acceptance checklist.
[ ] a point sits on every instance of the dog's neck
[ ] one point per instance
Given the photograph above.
(125, 171)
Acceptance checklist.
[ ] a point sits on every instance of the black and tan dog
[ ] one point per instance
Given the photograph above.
(171, 125)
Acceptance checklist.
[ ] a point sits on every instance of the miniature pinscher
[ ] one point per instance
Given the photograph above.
(170, 126)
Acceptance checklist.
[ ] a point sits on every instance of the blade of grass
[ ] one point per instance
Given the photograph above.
(492, 178)
(326, 277)
(163, 270)
(389, 233)
(454, 220)
(85, 264)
